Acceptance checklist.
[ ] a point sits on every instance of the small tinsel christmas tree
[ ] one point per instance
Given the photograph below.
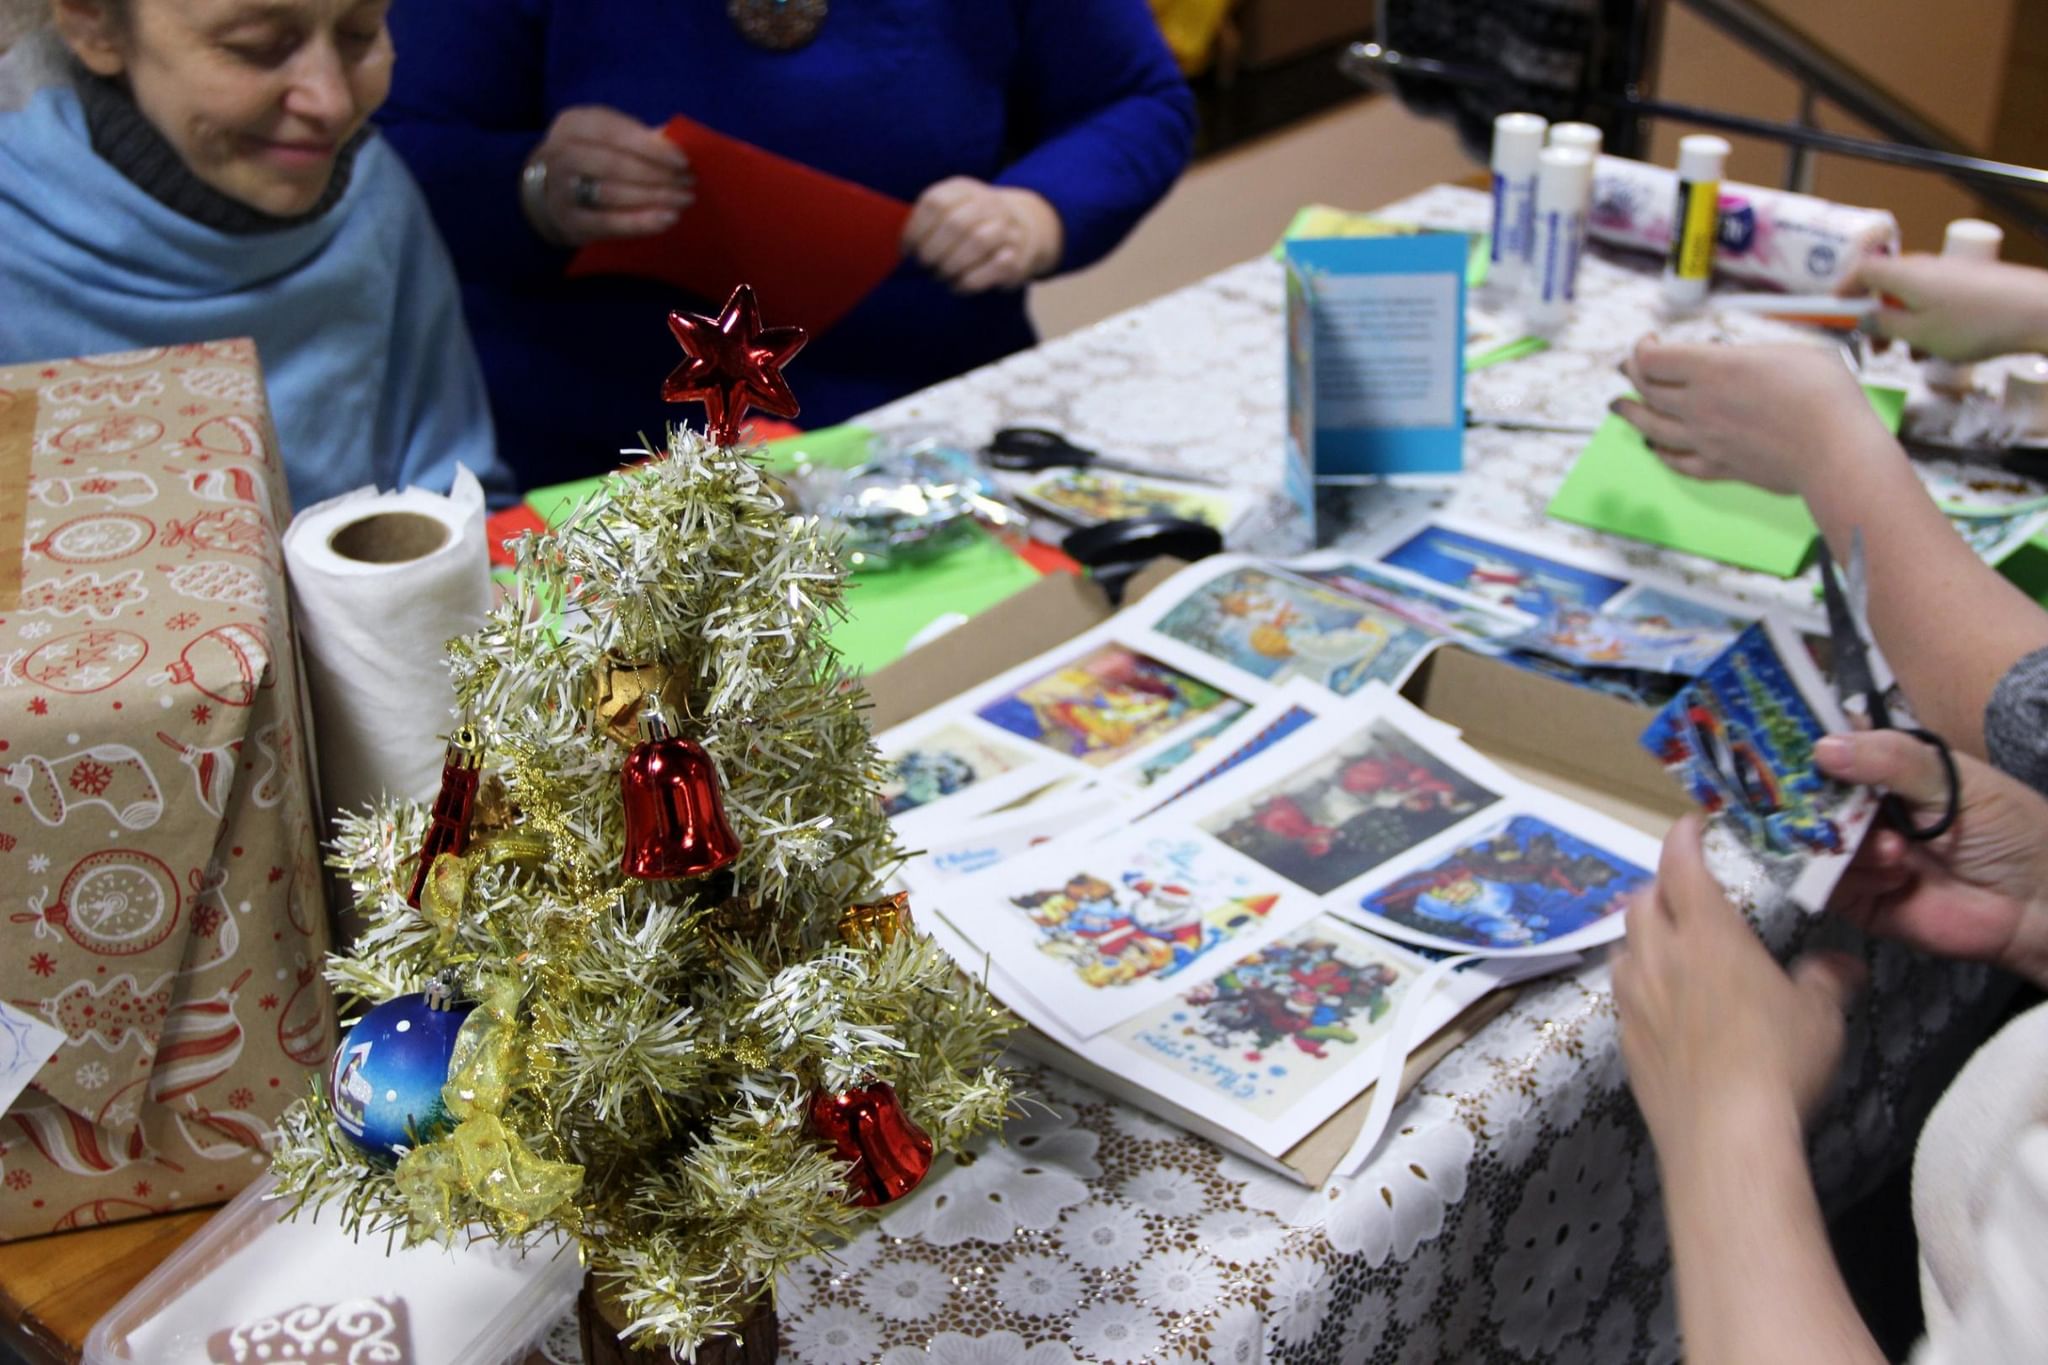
(674, 1017)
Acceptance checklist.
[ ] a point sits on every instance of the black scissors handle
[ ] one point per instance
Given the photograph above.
(1895, 809)
(1029, 449)
(1856, 680)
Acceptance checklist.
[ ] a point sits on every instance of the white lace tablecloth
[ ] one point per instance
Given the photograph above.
(1515, 1214)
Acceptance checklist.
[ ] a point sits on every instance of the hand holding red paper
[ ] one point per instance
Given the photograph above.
(606, 174)
(756, 220)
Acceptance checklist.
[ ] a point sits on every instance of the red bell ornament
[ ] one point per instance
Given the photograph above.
(867, 1126)
(675, 817)
(448, 822)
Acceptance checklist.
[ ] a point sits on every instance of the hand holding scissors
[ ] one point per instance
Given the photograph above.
(1856, 684)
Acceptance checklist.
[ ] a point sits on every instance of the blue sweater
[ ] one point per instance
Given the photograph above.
(1075, 99)
(355, 315)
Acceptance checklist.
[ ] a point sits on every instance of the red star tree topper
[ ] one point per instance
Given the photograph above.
(735, 364)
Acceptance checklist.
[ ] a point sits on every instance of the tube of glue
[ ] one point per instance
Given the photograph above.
(1969, 239)
(1695, 219)
(1517, 141)
(1564, 189)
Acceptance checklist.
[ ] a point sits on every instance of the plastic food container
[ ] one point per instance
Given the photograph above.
(252, 1288)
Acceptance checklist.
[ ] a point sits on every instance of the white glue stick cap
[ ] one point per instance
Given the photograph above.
(1972, 239)
(1702, 156)
(1564, 176)
(1517, 138)
(1582, 137)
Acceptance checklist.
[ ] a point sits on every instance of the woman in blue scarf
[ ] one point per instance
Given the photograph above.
(189, 170)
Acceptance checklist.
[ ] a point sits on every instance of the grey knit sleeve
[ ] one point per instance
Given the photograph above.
(2016, 721)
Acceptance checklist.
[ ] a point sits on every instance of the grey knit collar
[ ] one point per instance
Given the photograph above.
(126, 140)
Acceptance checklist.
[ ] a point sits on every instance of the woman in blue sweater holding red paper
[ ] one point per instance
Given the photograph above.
(1029, 136)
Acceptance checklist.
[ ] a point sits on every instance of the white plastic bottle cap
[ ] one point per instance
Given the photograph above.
(1517, 138)
(1973, 239)
(2026, 397)
(1564, 176)
(1702, 156)
(1582, 137)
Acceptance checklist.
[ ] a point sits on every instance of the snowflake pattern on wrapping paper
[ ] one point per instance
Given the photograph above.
(42, 964)
(19, 1180)
(91, 777)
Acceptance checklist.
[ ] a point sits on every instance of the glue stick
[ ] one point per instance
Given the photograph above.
(1583, 137)
(1695, 218)
(1968, 239)
(1517, 141)
(1564, 188)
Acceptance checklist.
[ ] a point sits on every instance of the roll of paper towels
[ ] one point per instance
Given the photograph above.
(380, 583)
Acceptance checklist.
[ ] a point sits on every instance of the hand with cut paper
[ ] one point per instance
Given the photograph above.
(1978, 892)
(1958, 309)
(1779, 417)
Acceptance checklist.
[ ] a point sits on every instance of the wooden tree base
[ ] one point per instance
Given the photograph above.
(601, 1344)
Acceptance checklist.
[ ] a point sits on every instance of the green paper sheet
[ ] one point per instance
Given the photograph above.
(1619, 485)
(887, 607)
(840, 447)
(2027, 567)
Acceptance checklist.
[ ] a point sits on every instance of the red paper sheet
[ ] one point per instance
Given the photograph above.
(811, 244)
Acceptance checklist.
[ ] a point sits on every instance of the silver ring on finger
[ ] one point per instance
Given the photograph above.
(583, 189)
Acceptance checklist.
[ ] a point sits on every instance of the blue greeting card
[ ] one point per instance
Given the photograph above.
(1376, 356)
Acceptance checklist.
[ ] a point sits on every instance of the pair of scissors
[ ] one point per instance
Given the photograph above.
(1026, 450)
(1857, 685)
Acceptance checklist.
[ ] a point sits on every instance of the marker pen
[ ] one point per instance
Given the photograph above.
(1695, 218)
(1564, 187)
(1968, 239)
(1517, 141)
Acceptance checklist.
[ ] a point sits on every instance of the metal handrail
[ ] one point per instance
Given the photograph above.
(1915, 142)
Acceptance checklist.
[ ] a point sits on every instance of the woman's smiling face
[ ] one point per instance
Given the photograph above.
(256, 96)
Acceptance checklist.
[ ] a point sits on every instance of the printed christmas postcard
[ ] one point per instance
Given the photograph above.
(1273, 626)
(1462, 616)
(1105, 703)
(1362, 802)
(940, 763)
(1524, 885)
(1282, 1038)
(1501, 573)
(1740, 738)
(1096, 930)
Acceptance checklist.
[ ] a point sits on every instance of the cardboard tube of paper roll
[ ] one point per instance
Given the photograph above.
(380, 582)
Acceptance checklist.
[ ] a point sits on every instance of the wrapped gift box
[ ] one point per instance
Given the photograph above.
(164, 903)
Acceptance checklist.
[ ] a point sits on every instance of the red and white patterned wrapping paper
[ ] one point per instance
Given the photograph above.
(161, 898)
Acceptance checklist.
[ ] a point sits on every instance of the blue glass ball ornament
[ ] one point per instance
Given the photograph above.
(384, 1087)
